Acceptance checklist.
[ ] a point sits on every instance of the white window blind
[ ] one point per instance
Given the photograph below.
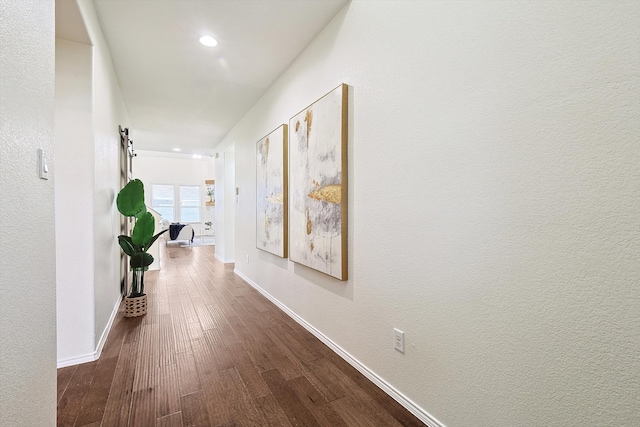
(162, 201)
(177, 203)
(189, 203)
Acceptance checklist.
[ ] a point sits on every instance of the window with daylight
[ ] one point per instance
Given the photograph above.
(162, 201)
(189, 203)
(176, 203)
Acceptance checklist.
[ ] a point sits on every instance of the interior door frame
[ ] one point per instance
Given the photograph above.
(126, 172)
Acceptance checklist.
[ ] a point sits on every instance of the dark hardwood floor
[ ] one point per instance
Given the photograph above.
(212, 351)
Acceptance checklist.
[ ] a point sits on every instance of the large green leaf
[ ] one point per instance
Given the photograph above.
(154, 238)
(141, 260)
(126, 244)
(130, 199)
(143, 230)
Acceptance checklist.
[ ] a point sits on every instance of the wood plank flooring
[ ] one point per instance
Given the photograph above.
(214, 352)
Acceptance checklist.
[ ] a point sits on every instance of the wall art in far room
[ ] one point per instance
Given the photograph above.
(210, 189)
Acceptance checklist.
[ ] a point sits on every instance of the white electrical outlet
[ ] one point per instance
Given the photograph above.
(247, 257)
(398, 340)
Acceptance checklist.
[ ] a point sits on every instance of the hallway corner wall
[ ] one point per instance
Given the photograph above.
(109, 112)
(74, 188)
(225, 204)
(27, 252)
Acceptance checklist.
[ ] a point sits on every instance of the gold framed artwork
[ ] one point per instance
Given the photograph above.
(271, 192)
(210, 190)
(318, 184)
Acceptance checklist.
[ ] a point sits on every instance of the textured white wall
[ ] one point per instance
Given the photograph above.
(229, 204)
(493, 205)
(74, 185)
(108, 112)
(226, 204)
(220, 208)
(27, 251)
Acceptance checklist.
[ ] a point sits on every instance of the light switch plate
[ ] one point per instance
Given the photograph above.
(43, 168)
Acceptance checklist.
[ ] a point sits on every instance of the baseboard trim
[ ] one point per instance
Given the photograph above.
(92, 357)
(403, 400)
(107, 329)
(222, 260)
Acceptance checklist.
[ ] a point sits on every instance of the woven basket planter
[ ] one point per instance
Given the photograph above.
(135, 306)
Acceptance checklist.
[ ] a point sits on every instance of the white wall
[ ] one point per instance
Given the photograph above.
(226, 201)
(89, 108)
(74, 200)
(493, 205)
(229, 204)
(27, 252)
(221, 185)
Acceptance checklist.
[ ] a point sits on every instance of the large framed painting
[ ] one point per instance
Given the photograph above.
(271, 190)
(318, 185)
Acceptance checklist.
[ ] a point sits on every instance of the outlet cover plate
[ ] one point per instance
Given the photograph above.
(398, 340)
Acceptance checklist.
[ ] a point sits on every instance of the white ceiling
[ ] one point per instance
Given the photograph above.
(180, 94)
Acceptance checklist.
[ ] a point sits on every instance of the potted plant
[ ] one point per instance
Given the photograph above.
(130, 203)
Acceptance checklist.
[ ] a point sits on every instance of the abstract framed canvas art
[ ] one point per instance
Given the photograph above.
(318, 185)
(271, 191)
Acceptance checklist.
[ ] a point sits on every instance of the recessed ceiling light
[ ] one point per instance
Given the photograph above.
(197, 156)
(208, 41)
(177, 149)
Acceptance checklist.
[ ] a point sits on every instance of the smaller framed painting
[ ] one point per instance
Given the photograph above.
(271, 192)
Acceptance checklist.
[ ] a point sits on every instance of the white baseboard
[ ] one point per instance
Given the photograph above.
(86, 358)
(222, 260)
(107, 328)
(92, 357)
(416, 410)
